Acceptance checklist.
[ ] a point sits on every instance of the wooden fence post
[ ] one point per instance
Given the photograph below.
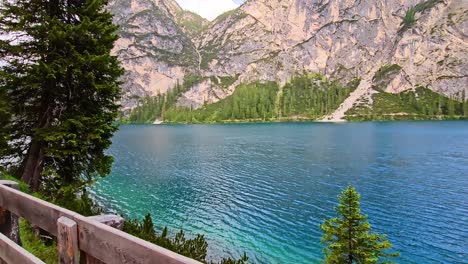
(114, 221)
(9, 224)
(67, 239)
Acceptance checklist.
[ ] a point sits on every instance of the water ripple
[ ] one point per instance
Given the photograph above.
(264, 189)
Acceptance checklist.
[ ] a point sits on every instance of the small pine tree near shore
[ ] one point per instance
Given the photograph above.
(348, 238)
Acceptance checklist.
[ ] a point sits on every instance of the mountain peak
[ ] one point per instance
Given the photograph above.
(273, 40)
(209, 9)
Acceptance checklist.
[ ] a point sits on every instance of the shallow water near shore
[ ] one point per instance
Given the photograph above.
(264, 189)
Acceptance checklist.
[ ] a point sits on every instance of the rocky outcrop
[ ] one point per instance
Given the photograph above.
(276, 40)
(153, 49)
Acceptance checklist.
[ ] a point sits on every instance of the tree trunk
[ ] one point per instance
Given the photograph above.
(33, 166)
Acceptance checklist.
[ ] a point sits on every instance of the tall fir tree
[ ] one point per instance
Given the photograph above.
(4, 122)
(348, 238)
(465, 104)
(63, 85)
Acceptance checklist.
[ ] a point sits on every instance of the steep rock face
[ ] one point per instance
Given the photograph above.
(275, 40)
(434, 52)
(153, 49)
(278, 39)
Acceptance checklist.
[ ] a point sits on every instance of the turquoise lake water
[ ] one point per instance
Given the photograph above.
(264, 189)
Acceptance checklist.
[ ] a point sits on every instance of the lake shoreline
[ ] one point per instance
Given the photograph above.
(315, 121)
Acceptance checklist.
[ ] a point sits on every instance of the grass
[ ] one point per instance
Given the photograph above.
(46, 251)
(22, 186)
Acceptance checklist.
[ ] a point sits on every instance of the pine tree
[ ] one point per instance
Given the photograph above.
(465, 104)
(147, 229)
(62, 82)
(451, 107)
(4, 121)
(348, 237)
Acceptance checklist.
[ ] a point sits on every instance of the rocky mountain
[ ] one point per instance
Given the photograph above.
(155, 47)
(407, 43)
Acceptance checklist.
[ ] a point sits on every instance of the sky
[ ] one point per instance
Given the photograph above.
(209, 9)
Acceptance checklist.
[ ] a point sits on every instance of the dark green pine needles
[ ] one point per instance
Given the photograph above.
(4, 120)
(348, 237)
(63, 87)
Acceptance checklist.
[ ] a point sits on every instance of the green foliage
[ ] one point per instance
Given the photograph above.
(77, 202)
(384, 72)
(22, 186)
(420, 104)
(235, 14)
(224, 81)
(426, 5)
(409, 19)
(154, 107)
(44, 250)
(305, 97)
(192, 23)
(313, 96)
(464, 99)
(63, 87)
(209, 53)
(67, 197)
(348, 237)
(243, 260)
(195, 248)
(253, 102)
(4, 122)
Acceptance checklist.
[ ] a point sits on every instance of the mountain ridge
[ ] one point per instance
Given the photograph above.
(266, 40)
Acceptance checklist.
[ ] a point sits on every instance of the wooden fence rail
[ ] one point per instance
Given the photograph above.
(75, 233)
(10, 252)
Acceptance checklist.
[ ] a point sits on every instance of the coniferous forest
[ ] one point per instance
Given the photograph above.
(306, 97)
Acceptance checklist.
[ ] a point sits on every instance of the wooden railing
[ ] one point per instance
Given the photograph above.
(78, 237)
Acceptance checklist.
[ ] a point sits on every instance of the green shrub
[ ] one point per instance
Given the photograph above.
(409, 19)
(195, 248)
(385, 71)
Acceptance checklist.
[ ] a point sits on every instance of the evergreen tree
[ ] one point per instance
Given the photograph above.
(465, 104)
(451, 107)
(4, 120)
(348, 237)
(62, 83)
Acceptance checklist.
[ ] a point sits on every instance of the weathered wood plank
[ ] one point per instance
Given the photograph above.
(67, 239)
(114, 221)
(9, 223)
(12, 253)
(36, 211)
(114, 246)
(95, 239)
